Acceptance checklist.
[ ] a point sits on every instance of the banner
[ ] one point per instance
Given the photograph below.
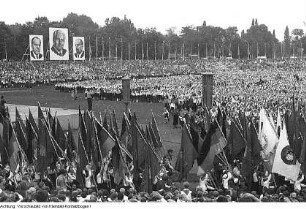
(78, 48)
(36, 47)
(58, 41)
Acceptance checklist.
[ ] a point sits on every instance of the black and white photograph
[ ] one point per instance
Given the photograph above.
(152, 102)
(78, 48)
(36, 47)
(58, 41)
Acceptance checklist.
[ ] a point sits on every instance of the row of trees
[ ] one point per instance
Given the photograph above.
(120, 38)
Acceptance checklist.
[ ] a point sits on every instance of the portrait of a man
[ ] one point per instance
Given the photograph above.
(78, 50)
(59, 39)
(36, 48)
(59, 43)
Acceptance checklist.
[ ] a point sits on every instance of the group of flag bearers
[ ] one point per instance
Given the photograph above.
(100, 145)
(262, 146)
(135, 151)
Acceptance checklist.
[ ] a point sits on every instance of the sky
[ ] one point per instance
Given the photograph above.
(165, 14)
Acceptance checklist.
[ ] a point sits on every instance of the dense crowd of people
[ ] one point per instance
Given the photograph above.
(239, 85)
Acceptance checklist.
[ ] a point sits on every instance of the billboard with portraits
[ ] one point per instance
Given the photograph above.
(36, 47)
(78, 48)
(58, 41)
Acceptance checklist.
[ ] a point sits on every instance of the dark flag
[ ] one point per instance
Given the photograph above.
(105, 140)
(83, 132)
(187, 154)
(216, 143)
(119, 163)
(60, 136)
(32, 121)
(236, 140)
(32, 140)
(125, 130)
(21, 136)
(114, 123)
(72, 144)
(14, 150)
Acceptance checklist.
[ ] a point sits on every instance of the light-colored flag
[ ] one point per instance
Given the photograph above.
(285, 163)
(267, 138)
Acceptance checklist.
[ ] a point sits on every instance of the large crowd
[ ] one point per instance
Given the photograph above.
(239, 85)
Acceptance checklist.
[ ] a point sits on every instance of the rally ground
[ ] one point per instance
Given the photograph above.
(47, 96)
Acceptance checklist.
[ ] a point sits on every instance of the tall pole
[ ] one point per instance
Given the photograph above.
(206, 51)
(96, 47)
(129, 48)
(169, 53)
(135, 50)
(248, 50)
(142, 52)
(183, 51)
(214, 50)
(301, 50)
(90, 52)
(121, 49)
(281, 45)
(102, 49)
(238, 52)
(198, 50)
(163, 50)
(155, 51)
(116, 51)
(109, 48)
(147, 51)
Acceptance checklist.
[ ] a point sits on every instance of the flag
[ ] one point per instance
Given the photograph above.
(255, 145)
(105, 124)
(152, 168)
(236, 140)
(278, 123)
(32, 141)
(82, 161)
(21, 136)
(20, 131)
(72, 143)
(14, 150)
(5, 138)
(114, 123)
(90, 133)
(125, 130)
(138, 144)
(60, 136)
(45, 147)
(18, 118)
(216, 142)
(83, 132)
(32, 121)
(156, 131)
(285, 162)
(267, 138)
(105, 140)
(119, 163)
(195, 137)
(188, 153)
(302, 158)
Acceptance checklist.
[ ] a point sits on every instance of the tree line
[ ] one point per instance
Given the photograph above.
(119, 38)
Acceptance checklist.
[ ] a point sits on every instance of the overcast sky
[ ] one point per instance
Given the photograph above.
(163, 14)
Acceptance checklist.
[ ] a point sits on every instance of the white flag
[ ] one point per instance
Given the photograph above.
(285, 163)
(267, 135)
